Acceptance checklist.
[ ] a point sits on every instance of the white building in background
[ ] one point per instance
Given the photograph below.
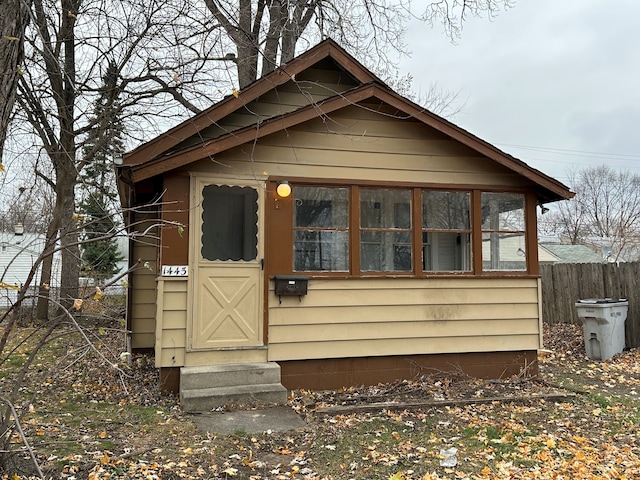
(19, 252)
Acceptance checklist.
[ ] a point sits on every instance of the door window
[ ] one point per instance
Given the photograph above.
(229, 223)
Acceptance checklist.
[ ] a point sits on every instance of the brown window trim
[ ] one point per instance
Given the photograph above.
(280, 229)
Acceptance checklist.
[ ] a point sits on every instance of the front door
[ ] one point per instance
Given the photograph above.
(227, 266)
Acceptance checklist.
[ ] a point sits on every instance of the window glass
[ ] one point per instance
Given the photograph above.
(446, 235)
(229, 223)
(503, 231)
(446, 210)
(385, 217)
(320, 230)
(385, 230)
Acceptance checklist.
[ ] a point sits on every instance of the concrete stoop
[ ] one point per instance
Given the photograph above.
(207, 387)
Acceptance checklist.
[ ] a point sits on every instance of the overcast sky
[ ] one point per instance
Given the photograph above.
(554, 83)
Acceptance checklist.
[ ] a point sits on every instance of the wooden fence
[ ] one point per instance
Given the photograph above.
(564, 284)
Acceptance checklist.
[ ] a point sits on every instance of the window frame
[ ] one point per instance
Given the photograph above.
(386, 230)
(319, 229)
(501, 231)
(281, 222)
(457, 230)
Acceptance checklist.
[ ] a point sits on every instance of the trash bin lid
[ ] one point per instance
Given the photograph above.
(602, 300)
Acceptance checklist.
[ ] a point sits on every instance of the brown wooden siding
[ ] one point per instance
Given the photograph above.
(175, 216)
(342, 372)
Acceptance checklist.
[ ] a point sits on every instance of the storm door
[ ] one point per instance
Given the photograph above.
(227, 286)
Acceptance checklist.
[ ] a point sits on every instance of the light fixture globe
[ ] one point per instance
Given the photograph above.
(283, 189)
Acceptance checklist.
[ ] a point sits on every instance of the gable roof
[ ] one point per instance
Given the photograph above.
(281, 75)
(160, 154)
(573, 253)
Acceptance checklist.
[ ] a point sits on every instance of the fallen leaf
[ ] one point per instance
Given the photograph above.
(98, 295)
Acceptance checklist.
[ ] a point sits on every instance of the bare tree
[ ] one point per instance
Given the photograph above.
(18, 374)
(604, 213)
(453, 13)
(145, 60)
(265, 33)
(163, 63)
(13, 22)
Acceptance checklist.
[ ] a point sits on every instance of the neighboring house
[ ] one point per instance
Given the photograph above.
(19, 252)
(545, 256)
(573, 253)
(335, 234)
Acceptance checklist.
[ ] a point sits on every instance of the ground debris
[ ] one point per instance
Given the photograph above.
(122, 426)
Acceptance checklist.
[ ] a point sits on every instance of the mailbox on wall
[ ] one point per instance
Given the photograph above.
(291, 285)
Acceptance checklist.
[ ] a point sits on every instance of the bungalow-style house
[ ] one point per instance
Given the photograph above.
(318, 230)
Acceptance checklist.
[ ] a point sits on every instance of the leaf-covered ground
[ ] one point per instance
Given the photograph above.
(85, 420)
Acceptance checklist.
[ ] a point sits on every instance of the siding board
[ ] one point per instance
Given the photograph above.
(354, 297)
(374, 317)
(402, 330)
(399, 347)
(171, 337)
(294, 163)
(401, 313)
(365, 142)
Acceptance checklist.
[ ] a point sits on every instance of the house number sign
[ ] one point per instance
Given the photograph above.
(175, 271)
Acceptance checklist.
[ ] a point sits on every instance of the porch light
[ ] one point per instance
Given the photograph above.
(283, 189)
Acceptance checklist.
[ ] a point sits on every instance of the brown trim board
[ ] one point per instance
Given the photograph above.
(330, 374)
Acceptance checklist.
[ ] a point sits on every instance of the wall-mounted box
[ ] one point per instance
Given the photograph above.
(288, 285)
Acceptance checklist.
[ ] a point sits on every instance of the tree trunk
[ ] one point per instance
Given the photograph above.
(247, 46)
(42, 307)
(70, 270)
(277, 18)
(13, 21)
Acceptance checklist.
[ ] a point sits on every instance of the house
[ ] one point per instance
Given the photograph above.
(19, 252)
(572, 253)
(332, 233)
(545, 257)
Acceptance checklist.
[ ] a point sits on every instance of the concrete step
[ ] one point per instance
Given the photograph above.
(206, 399)
(203, 388)
(230, 375)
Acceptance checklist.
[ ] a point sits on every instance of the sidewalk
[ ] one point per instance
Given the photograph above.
(275, 419)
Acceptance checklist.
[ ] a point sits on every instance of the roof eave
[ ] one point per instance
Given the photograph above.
(228, 105)
(551, 189)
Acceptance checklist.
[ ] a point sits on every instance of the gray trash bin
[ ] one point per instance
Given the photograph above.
(603, 325)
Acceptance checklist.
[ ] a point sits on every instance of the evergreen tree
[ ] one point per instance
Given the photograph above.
(100, 254)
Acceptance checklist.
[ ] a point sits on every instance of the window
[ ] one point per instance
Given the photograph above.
(229, 223)
(321, 229)
(385, 230)
(446, 231)
(375, 231)
(503, 232)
